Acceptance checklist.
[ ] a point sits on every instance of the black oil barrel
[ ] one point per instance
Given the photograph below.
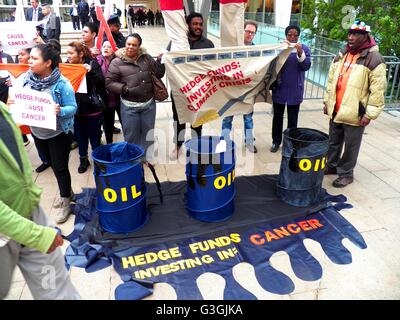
(303, 162)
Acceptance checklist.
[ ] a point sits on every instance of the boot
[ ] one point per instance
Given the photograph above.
(64, 211)
(84, 165)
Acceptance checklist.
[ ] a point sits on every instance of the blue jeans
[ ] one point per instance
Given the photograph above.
(248, 127)
(138, 126)
(88, 129)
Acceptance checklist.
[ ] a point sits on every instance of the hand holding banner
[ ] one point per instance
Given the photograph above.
(33, 108)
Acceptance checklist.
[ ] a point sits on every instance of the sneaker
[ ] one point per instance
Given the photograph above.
(116, 130)
(342, 181)
(274, 147)
(74, 145)
(63, 211)
(175, 153)
(84, 165)
(42, 167)
(27, 142)
(252, 148)
(58, 202)
(330, 170)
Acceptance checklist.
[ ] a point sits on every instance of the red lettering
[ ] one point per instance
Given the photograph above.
(293, 228)
(315, 224)
(257, 239)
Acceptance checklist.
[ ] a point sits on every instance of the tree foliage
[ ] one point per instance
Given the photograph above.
(332, 18)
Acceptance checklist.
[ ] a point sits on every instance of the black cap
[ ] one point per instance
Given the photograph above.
(113, 19)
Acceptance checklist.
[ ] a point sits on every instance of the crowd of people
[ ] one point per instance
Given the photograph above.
(122, 81)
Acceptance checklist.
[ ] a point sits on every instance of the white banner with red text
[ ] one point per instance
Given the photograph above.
(211, 83)
(33, 108)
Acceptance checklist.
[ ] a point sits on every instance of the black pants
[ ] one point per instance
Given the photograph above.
(57, 150)
(343, 135)
(277, 121)
(88, 129)
(84, 19)
(109, 120)
(179, 128)
(75, 22)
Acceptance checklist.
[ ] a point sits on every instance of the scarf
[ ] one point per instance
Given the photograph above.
(369, 43)
(40, 84)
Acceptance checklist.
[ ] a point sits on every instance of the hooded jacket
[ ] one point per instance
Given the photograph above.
(132, 80)
(365, 91)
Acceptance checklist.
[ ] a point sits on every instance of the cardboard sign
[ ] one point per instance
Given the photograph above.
(33, 108)
(15, 36)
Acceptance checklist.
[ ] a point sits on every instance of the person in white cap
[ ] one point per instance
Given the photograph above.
(355, 95)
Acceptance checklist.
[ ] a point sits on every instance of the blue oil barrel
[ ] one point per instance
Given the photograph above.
(210, 178)
(120, 185)
(302, 168)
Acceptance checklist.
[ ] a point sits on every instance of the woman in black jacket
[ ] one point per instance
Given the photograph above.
(129, 76)
(89, 117)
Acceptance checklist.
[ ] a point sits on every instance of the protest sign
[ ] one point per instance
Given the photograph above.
(33, 108)
(15, 36)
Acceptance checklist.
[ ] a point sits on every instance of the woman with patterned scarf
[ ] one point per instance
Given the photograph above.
(44, 75)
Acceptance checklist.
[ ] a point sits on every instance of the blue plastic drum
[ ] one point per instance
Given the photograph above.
(210, 178)
(120, 185)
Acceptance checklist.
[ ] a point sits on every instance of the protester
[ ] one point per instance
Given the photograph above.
(89, 34)
(52, 28)
(129, 76)
(23, 58)
(104, 59)
(289, 86)
(44, 76)
(27, 239)
(355, 95)
(196, 41)
(89, 116)
(250, 30)
(73, 12)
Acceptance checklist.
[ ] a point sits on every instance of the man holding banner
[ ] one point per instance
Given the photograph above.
(196, 41)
